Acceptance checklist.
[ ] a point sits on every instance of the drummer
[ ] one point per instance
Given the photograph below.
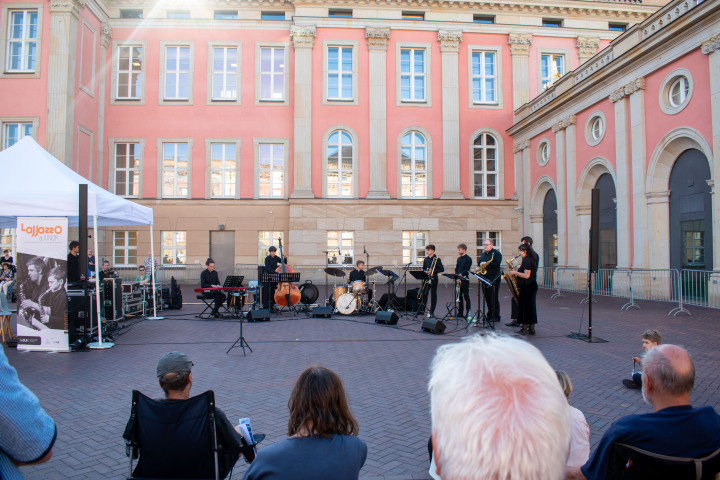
(359, 274)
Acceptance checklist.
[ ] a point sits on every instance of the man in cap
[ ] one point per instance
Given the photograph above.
(175, 378)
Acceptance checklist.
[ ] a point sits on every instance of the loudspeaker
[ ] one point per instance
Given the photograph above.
(594, 230)
(322, 312)
(433, 325)
(258, 315)
(388, 318)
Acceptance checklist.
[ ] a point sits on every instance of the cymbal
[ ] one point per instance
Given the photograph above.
(335, 272)
(373, 270)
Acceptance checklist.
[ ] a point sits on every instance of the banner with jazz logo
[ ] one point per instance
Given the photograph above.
(41, 278)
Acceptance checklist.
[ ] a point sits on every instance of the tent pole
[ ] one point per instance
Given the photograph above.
(154, 273)
(99, 344)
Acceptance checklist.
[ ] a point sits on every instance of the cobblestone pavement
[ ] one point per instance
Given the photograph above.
(384, 368)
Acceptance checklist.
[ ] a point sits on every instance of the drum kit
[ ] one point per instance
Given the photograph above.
(354, 297)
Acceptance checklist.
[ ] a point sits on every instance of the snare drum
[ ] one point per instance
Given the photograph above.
(346, 303)
(337, 291)
(358, 286)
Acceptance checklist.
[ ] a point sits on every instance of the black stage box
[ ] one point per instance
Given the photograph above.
(433, 325)
(388, 318)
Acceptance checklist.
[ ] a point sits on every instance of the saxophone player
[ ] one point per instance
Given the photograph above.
(490, 262)
(432, 265)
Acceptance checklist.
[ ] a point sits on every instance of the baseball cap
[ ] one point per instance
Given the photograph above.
(173, 362)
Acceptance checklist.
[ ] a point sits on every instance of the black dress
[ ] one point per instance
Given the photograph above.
(528, 288)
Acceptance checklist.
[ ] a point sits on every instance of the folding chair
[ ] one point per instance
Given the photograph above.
(632, 463)
(176, 440)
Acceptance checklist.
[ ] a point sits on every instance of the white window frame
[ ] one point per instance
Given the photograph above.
(259, 100)
(666, 103)
(590, 136)
(481, 235)
(162, 97)
(541, 159)
(209, 142)
(125, 248)
(160, 167)
(327, 100)
(257, 142)
(564, 54)
(354, 170)
(7, 9)
(428, 160)
(211, 73)
(498, 103)
(173, 247)
(263, 245)
(427, 101)
(34, 122)
(341, 235)
(112, 149)
(499, 163)
(114, 79)
(414, 245)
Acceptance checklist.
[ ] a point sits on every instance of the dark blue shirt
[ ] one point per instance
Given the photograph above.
(339, 457)
(675, 431)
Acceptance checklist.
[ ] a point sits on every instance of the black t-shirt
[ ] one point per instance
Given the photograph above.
(493, 268)
(271, 263)
(357, 275)
(73, 268)
(528, 264)
(462, 265)
(208, 278)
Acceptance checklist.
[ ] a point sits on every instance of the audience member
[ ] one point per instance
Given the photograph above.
(27, 433)
(322, 443)
(91, 263)
(6, 258)
(650, 339)
(6, 278)
(579, 429)
(143, 276)
(73, 262)
(512, 421)
(674, 429)
(106, 271)
(151, 264)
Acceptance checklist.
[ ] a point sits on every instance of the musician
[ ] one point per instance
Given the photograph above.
(513, 304)
(106, 271)
(527, 290)
(32, 285)
(209, 279)
(272, 262)
(462, 267)
(433, 273)
(358, 273)
(73, 262)
(491, 261)
(53, 302)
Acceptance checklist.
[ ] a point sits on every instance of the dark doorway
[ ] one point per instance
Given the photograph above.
(691, 222)
(608, 232)
(550, 236)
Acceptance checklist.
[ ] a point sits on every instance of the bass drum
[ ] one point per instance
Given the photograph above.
(346, 304)
(308, 293)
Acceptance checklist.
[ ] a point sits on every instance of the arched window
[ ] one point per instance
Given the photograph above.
(413, 165)
(485, 166)
(339, 164)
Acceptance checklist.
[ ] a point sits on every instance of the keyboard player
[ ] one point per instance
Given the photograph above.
(209, 279)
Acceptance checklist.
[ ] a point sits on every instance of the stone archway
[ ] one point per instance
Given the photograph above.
(543, 186)
(591, 173)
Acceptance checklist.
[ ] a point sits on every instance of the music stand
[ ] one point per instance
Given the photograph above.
(481, 301)
(232, 281)
(241, 340)
(422, 296)
(289, 277)
(453, 313)
(267, 279)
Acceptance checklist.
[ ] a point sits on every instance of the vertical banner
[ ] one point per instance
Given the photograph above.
(42, 277)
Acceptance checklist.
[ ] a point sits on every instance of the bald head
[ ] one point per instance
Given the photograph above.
(670, 369)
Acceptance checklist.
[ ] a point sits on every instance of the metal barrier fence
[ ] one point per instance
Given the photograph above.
(700, 288)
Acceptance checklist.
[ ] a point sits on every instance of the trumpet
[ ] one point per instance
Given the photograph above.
(482, 268)
(511, 282)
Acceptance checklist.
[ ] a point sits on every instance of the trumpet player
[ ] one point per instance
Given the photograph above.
(462, 267)
(489, 263)
(432, 265)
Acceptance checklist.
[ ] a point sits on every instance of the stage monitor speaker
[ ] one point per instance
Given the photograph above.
(322, 312)
(433, 325)
(594, 230)
(388, 318)
(258, 315)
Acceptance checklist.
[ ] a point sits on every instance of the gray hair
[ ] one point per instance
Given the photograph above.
(497, 411)
(667, 379)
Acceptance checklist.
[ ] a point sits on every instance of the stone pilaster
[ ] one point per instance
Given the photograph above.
(303, 39)
(105, 38)
(377, 41)
(622, 179)
(587, 48)
(582, 214)
(711, 48)
(635, 91)
(570, 161)
(658, 208)
(537, 233)
(520, 51)
(64, 15)
(523, 199)
(449, 47)
(561, 185)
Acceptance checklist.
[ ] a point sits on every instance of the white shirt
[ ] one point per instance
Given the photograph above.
(579, 439)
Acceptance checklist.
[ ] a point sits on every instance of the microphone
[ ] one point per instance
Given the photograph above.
(364, 251)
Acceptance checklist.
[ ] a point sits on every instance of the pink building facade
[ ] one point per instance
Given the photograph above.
(341, 128)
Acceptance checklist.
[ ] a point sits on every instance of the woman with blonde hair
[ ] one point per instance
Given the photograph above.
(322, 441)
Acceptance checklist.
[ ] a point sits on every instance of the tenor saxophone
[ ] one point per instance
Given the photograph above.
(511, 282)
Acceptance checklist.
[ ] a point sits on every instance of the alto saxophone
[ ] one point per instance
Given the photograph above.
(511, 282)
(28, 313)
(482, 268)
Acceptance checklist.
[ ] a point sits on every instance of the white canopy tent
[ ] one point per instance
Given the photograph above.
(36, 184)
